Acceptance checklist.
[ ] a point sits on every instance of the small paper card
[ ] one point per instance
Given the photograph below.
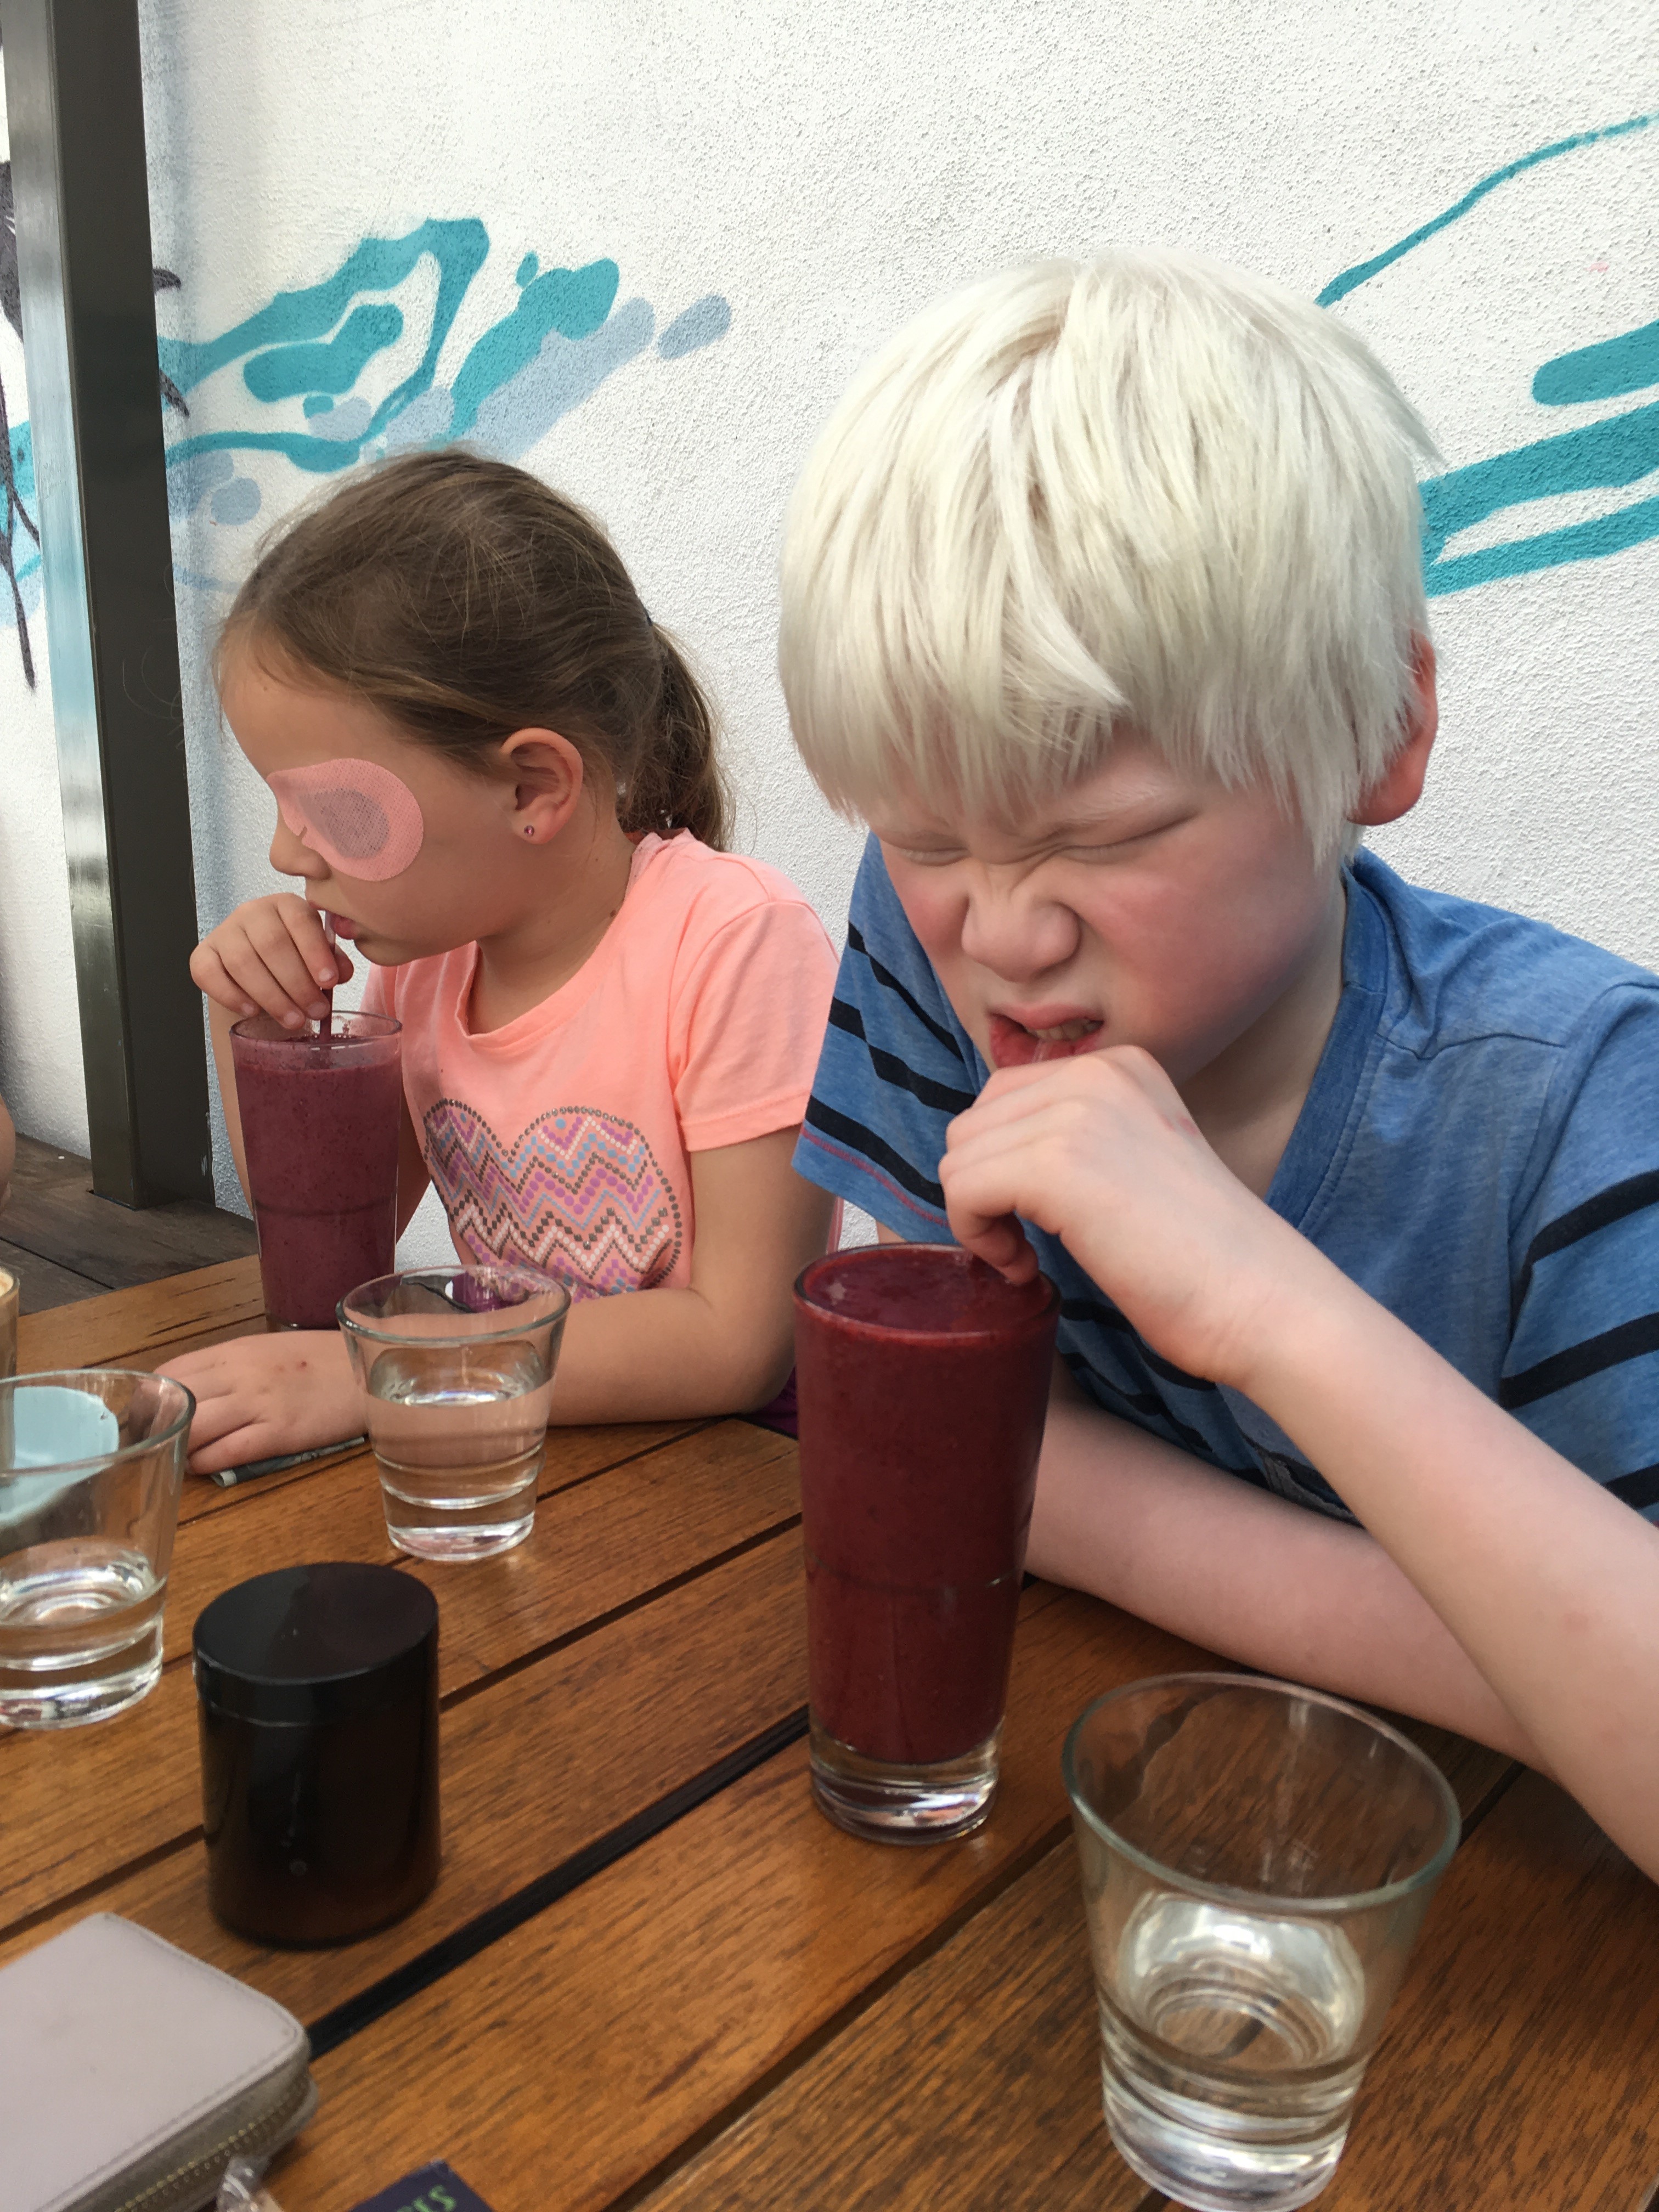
(433, 2188)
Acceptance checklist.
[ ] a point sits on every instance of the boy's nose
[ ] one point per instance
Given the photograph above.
(1016, 935)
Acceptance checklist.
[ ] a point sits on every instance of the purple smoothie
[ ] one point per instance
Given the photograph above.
(924, 1381)
(320, 1121)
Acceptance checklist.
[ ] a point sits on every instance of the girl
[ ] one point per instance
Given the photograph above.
(501, 779)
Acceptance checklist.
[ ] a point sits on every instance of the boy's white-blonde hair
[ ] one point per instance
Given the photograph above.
(1146, 491)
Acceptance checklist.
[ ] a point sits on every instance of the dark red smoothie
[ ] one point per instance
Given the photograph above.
(320, 1119)
(924, 1381)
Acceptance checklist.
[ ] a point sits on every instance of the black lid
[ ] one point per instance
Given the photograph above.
(316, 1644)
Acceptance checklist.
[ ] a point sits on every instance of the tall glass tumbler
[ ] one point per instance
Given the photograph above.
(923, 1379)
(92, 1460)
(321, 1110)
(457, 1366)
(1257, 1859)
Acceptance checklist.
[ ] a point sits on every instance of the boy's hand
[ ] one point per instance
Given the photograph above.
(269, 956)
(257, 1396)
(1099, 1151)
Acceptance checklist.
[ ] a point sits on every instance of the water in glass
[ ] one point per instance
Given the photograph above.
(460, 1434)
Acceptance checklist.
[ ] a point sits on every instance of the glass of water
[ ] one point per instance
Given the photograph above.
(92, 1460)
(457, 1367)
(1257, 1859)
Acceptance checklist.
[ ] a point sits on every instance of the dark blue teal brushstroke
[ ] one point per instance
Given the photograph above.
(378, 264)
(1607, 371)
(572, 302)
(332, 366)
(1362, 271)
(1601, 456)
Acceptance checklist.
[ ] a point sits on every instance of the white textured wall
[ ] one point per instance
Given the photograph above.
(825, 170)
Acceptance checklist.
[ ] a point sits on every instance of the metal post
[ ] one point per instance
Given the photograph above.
(75, 107)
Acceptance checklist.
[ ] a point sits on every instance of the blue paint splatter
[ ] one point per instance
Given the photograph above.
(526, 269)
(702, 322)
(565, 373)
(1600, 456)
(573, 302)
(318, 402)
(294, 318)
(236, 501)
(1607, 371)
(334, 365)
(190, 484)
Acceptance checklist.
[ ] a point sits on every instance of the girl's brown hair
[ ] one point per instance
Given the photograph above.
(465, 599)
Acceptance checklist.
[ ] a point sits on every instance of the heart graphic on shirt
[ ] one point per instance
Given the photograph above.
(578, 1195)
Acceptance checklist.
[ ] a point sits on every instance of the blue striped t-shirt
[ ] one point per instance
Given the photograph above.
(1479, 1150)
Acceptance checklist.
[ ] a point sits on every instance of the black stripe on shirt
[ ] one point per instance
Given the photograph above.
(890, 981)
(1639, 1489)
(894, 1071)
(1614, 1204)
(874, 1149)
(1149, 1406)
(1104, 1314)
(1630, 1340)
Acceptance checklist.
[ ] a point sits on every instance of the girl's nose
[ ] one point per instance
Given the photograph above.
(1015, 932)
(291, 856)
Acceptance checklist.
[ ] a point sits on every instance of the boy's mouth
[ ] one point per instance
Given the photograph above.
(1059, 1037)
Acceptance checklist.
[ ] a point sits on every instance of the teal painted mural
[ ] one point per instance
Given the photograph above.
(318, 362)
(1617, 453)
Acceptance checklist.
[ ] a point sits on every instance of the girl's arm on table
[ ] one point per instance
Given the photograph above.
(1548, 1584)
(724, 1344)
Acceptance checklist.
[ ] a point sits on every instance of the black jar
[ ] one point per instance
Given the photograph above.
(317, 1692)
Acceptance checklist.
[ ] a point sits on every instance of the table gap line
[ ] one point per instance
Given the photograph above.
(464, 1691)
(1484, 1804)
(737, 2108)
(489, 1927)
(89, 1890)
(644, 1451)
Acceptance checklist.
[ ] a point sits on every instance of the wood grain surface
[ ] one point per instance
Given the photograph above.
(975, 2080)
(77, 1806)
(535, 1768)
(137, 1328)
(1523, 2053)
(634, 2013)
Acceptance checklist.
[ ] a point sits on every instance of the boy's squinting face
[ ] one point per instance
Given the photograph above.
(443, 898)
(1140, 906)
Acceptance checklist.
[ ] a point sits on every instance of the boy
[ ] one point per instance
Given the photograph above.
(1102, 606)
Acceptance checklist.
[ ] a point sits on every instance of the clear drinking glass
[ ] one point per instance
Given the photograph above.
(7, 1324)
(321, 1110)
(1257, 1859)
(91, 1464)
(457, 1367)
(923, 1378)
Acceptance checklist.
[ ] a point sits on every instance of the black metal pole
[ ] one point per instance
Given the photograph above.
(75, 107)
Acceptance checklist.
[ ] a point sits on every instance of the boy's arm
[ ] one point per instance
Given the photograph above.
(1145, 1525)
(1548, 1584)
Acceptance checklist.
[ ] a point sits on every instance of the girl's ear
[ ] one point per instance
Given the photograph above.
(1398, 789)
(549, 776)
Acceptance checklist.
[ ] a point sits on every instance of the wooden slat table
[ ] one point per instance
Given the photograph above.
(651, 1974)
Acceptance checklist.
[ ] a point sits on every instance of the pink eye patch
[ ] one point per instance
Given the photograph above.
(363, 820)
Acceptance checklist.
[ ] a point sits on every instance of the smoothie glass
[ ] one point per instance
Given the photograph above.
(923, 1378)
(321, 1110)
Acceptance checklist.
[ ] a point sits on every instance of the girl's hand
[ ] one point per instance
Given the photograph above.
(269, 956)
(257, 1396)
(1099, 1151)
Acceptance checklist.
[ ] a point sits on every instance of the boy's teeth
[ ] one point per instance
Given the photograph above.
(1067, 1032)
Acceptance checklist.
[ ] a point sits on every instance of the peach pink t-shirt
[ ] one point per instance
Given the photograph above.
(561, 1140)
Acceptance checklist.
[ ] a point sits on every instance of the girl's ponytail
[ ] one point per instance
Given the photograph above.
(678, 782)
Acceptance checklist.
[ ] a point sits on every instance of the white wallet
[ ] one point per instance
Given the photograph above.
(131, 2075)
